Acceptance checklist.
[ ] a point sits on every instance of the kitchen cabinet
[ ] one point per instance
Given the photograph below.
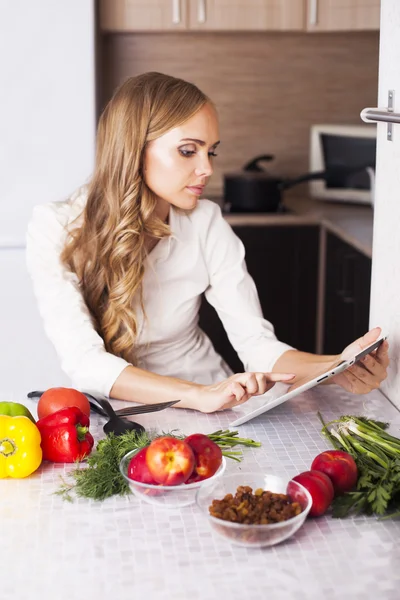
(201, 15)
(143, 15)
(283, 261)
(246, 15)
(342, 15)
(347, 294)
(239, 15)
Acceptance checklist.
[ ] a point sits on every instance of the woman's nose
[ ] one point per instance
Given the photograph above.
(204, 168)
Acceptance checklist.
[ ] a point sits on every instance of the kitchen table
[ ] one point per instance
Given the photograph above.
(126, 549)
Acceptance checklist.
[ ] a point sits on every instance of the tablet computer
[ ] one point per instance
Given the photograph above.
(257, 405)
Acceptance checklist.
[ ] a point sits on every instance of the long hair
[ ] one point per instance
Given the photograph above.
(107, 250)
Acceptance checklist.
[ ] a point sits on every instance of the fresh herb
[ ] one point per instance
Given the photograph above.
(99, 478)
(377, 455)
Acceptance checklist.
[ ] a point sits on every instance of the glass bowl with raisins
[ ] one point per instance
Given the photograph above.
(254, 509)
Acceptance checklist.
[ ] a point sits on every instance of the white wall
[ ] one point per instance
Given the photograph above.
(385, 285)
(47, 118)
(47, 145)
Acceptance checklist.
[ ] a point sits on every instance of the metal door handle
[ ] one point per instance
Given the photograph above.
(201, 11)
(382, 115)
(176, 12)
(379, 115)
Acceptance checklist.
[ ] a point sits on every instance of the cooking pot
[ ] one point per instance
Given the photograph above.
(255, 190)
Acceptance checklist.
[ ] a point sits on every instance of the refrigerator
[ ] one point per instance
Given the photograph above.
(47, 147)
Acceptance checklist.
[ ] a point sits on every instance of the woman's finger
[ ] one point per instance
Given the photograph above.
(364, 376)
(359, 380)
(238, 392)
(279, 376)
(375, 368)
(382, 354)
(251, 383)
(263, 385)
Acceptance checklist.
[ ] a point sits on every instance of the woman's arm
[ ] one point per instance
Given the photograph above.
(137, 385)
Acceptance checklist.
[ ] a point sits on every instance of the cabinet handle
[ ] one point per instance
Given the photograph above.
(201, 11)
(313, 12)
(176, 12)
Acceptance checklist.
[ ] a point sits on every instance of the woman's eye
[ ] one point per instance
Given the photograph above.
(186, 153)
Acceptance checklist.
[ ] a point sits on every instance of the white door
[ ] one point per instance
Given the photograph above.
(385, 287)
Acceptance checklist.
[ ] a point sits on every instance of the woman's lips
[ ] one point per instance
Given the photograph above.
(196, 189)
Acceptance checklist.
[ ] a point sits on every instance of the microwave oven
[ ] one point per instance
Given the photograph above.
(351, 148)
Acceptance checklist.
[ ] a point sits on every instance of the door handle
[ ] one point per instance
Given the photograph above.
(382, 115)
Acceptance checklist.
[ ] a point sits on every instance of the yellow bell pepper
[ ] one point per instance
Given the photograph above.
(20, 451)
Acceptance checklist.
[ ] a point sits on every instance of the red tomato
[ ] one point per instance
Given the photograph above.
(54, 399)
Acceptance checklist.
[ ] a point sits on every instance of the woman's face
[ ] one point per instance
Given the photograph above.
(178, 164)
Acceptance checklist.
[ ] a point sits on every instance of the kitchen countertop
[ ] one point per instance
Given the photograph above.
(125, 549)
(351, 222)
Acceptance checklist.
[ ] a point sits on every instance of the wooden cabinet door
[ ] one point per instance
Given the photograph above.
(143, 15)
(347, 295)
(283, 261)
(342, 15)
(246, 15)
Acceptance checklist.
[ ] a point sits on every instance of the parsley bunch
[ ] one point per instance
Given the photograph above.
(377, 455)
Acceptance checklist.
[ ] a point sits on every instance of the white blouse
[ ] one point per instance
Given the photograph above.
(203, 254)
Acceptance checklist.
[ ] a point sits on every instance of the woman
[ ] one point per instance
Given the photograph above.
(119, 268)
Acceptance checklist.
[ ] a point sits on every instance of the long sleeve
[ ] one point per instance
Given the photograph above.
(233, 294)
(66, 318)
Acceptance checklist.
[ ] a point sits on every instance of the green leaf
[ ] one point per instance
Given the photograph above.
(349, 502)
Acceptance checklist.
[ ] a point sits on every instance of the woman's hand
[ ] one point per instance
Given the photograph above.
(370, 371)
(236, 390)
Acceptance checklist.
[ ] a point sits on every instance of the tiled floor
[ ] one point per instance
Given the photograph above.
(125, 549)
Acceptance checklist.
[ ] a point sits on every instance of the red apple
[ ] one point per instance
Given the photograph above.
(320, 487)
(207, 455)
(138, 469)
(340, 468)
(169, 460)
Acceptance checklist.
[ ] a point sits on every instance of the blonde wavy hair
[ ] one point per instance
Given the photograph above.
(107, 250)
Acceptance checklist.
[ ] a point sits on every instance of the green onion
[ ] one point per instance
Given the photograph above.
(377, 454)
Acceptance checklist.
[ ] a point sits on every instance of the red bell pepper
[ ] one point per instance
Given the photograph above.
(65, 435)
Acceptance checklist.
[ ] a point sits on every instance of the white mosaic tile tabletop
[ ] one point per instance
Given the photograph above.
(124, 549)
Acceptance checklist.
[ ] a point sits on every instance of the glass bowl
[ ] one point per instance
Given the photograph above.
(171, 496)
(255, 536)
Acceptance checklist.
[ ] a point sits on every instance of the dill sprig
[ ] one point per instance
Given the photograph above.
(99, 478)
